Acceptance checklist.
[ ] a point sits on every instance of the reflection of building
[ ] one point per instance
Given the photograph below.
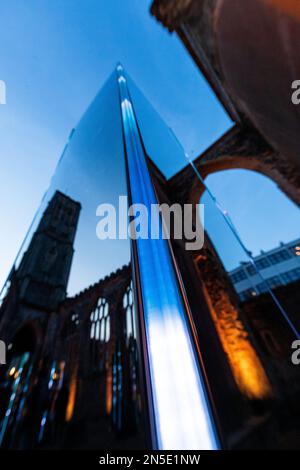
(278, 267)
(44, 272)
(71, 360)
(74, 377)
(78, 360)
(40, 282)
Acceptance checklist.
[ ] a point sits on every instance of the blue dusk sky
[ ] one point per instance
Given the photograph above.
(56, 55)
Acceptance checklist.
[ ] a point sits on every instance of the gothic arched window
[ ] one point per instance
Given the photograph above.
(128, 307)
(100, 321)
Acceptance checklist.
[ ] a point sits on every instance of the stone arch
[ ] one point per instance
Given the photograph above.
(266, 167)
(237, 149)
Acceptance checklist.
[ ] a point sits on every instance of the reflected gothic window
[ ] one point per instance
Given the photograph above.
(100, 321)
(128, 307)
(126, 399)
(75, 318)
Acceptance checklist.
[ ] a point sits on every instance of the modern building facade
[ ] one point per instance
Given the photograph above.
(119, 344)
(278, 267)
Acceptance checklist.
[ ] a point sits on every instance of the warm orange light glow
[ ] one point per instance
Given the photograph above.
(12, 371)
(289, 7)
(109, 391)
(72, 398)
(245, 364)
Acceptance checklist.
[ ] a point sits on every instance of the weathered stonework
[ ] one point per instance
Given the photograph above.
(238, 148)
(246, 52)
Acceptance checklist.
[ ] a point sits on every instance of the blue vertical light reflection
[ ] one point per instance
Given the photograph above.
(182, 413)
